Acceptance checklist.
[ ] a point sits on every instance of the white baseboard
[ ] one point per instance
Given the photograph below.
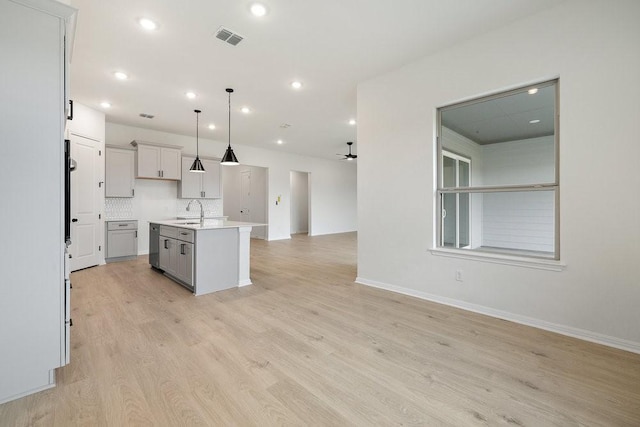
(246, 282)
(273, 239)
(582, 334)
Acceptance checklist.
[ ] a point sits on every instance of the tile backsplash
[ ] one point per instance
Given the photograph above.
(212, 207)
(123, 208)
(118, 208)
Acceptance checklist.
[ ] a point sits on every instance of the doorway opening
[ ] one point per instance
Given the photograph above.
(244, 195)
(300, 212)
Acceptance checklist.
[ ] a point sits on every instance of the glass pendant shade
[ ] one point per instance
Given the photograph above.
(197, 164)
(229, 159)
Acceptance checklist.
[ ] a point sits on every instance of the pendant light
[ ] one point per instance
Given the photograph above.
(229, 159)
(197, 164)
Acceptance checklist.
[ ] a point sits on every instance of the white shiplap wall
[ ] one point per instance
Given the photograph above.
(519, 220)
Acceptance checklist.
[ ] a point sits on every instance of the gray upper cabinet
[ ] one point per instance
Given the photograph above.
(156, 161)
(200, 185)
(119, 172)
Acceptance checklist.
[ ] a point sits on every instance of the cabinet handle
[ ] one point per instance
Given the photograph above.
(162, 174)
(182, 249)
(166, 243)
(70, 116)
(122, 225)
(133, 192)
(159, 174)
(136, 234)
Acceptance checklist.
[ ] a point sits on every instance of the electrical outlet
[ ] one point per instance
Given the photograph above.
(459, 275)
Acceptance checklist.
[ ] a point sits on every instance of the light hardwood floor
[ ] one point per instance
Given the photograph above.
(305, 345)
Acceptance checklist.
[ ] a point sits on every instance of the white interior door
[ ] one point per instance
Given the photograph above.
(85, 203)
(245, 191)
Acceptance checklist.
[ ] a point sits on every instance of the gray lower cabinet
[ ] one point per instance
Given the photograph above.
(122, 240)
(176, 254)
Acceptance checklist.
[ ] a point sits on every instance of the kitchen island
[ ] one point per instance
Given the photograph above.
(203, 257)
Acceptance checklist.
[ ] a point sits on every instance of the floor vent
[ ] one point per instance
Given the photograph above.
(228, 36)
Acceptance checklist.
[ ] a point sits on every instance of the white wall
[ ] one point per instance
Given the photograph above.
(592, 46)
(333, 201)
(519, 220)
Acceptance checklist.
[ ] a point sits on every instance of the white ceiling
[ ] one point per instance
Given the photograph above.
(329, 45)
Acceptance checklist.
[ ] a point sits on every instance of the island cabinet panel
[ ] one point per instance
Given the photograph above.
(206, 185)
(184, 267)
(176, 254)
(205, 257)
(156, 161)
(216, 260)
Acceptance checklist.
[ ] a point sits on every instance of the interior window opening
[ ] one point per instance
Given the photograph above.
(498, 179)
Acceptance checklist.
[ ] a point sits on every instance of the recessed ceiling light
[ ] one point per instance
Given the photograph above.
(190, 95)
(258, 9)
(147, 24)
(352, 122)
(533, 91)
(212, 126)
(105, 104)
(120, 75)
(280, 142)
(296, 84)
(534, 121)
(245, 110)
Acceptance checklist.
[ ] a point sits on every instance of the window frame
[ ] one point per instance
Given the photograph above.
(440, 190)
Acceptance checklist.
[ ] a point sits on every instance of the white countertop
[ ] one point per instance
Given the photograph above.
(198, 217)
(194, 224)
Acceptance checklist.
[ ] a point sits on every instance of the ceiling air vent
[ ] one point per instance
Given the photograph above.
(228, 36)
(147, 116)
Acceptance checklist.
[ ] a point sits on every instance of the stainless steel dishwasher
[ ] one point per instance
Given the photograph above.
(154, 245)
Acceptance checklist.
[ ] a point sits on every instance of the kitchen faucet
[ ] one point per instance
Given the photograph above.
(201, 210)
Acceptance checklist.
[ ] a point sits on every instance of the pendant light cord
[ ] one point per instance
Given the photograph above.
(229, 119)
(197, 135)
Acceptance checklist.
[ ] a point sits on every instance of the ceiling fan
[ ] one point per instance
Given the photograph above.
(348, 156)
